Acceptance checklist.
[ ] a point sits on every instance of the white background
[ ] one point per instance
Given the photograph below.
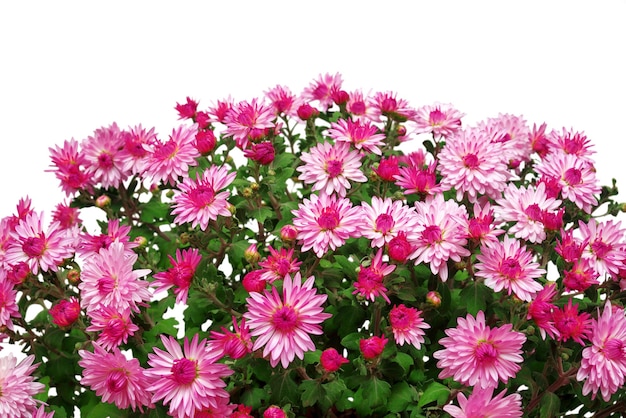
(67, 68)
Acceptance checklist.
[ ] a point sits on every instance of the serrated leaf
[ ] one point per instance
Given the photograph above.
(549, 406)
(261, 213)
(284, 389)
(284, 159)
(312, 392)
(351, 341)
(402, 394)
(377, 392)
(434, 392)
(103, 410)
(474, 297)
(404, 360)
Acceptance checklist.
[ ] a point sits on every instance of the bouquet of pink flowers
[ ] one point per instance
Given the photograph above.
(330, 254)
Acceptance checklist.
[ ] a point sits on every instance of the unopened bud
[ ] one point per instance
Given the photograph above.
(73, 276)
(274, 412)
(232, 209)
(401, 130)
(247, 192)
(169, 194)
(433, 298)
(141, 241)
(623, 207)
(184, 238)
(288, 233)
(251, 255)
(103, 201)
(255, 186)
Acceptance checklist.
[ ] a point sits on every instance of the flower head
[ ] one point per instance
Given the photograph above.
(115, 326)
(65, 312)
(481, 404)
(278, 264)
(180, 274)
(322, 89)
(407, 325)
(103, 159)
(370, 280)
(362, 135)
(248, 120)
(283, 324)
(235, 344)
(331, 360)
(442, 120)
(18, 386)
(167, 161)
(372, 347)
(384, 219)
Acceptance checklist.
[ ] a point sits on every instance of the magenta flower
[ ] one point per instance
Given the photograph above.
(418, 179)
(262, 152)
(384, 219)
(604, 246)
(372, 347)
(92, 244)
(200, 201)
(603, 366)
(572, 324)
(283, 100)
(439, 235)
(322, 90)
(471, 165)
(65, 312)
(477, 355)
(187, 379)
(235, 344)
(179, 275)
(407, 325)
(370, 279)
(330, 168)
(570, 142)
(331, 360)
(481, 227)
(69, 166)
(248, 120)
(102, 155)
(114, 326)
(509, 266)
(389, 105)
(278, 264)
(440, 119)
(167, 161)
(18, 386)
(325, 222)
(134, 155)
(283, 325)
(361, 108)
(8, 304)
(108, 279)
(481, 404)
(362, 135)
(115, 378)
(540, 310)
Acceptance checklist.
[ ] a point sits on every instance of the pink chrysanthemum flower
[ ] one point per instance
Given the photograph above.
(331, 360)
(41, 413)
(325, 222)
(248, 120)
(114, 326)
(41, 250)
(603, 366)
(407, 325)
(8, 304)
(235, 344)
(370, 279)
(481, 404)
(103, 158)
(471, 165)
(384, 218)
(167, 161)
(362, 135)
(187, 379)
(576, 177)
(511, 134)
(218, 112)
(92, 244)
(605, 245)
(200, 201)
(330, 168)
(278, 264)
(477, 355)
(18, 386)
(134, 155)
(525, 207)
(322, 90)
(283, 325)
(65, 312)
(418, 177)
(362, 108)
(440, 119)
(179, 275)
(572, 324)
(390, 106)
(481, 227)
(509, 266)
(69, 166)
(108, 279)
(67, 216)
(539, 141)
(570, 142)
(284, 101)
(541, 308)
(439, 234)
(115, 378)
(580, 276)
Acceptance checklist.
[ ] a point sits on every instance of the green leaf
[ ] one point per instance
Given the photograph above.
(312, 392)
(402, 394)
(103, 410)
(351, 341)
(434, 392)
(262, 213)
(284, 388)
(376, 392)
(154, 210)
(404, 360)
(254, 397)
(549, 406)
(284, 159)
(474, 296)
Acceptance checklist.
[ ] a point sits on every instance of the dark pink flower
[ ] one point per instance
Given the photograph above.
(372, 347)
(65, 312)
(262, 152)
(407, 325)
(253, 281)
(331, 360)
(180, 274)
(187, 110)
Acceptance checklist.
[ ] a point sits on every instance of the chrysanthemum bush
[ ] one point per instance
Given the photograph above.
(334, 254)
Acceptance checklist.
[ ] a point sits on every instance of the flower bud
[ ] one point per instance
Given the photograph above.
(232, 209)
(433, 299)
(251, 254)
(73, 276)
(187, 110)
(18, 272)
(288, 233)
(253, 282)
(103, 201)
(203, 120)
(372, 347)
(401, 130)
(205, 141)
(306, 112)
(263, 153)
(255, 187)
(141, 241)
(399, 248)
(331, 360)
(340, 97)
(388, 168)
(66, 312)
(274, 412)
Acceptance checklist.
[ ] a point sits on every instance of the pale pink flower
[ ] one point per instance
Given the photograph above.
(325, 222)
(390, 106)
(179, 275)
(370, 279)
(134, 155)
(8, 303)
(481, 226)
(510, 134)
(41, 249)
(322, 90)
(103, 160)
(18, 386)
(604, 245)
(384, 219)
(218, 112)
(115, 378)
(418, 177)
(362, 135)
(603, 365)
(576, 177)
(509, 266)
(284, 101)
(108, 279)
(407, 325)
(167, 161)
(69, 166)
(471, 165)
(439, 234)
(278, 264)
(331, 168)
(283, 325)
(115, 326)
(440, 119)
(41, 413)
(187, 379)
(570, 142)
(201, 201)
(362, 108)
(92, 244)
(235, 344)
(475, 354)
(525, 208)
(481, 404)
(248, 120)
